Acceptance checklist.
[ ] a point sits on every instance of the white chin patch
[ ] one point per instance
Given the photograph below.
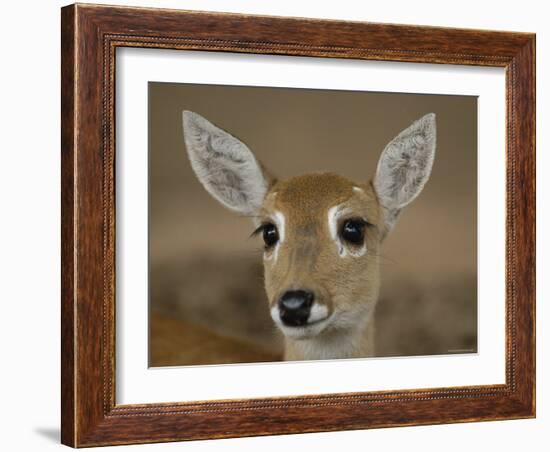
(315, 324)
(334, 214)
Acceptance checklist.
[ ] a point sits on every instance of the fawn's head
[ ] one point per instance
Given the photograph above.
(322, 232)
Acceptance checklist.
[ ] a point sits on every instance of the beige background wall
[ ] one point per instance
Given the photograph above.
(200, 252)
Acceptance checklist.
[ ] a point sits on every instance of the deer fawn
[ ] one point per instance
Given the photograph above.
(322, 232)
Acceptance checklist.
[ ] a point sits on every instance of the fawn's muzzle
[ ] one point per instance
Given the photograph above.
(295, 307)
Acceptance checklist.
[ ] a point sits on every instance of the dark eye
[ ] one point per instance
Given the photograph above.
(353, 231)
(270, 235)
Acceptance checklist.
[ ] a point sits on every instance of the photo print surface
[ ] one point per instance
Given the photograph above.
(302, 224)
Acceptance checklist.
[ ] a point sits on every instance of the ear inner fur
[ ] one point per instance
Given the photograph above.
(224, 165)
(405, 166)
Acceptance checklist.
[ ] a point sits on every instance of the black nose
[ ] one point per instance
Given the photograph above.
(294, 307)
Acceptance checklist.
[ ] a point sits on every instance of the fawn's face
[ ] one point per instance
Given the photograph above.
(322, 232)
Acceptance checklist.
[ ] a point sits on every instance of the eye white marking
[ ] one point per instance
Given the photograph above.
(358, 189)
(360, 251)
(279, 221)
(334, 214)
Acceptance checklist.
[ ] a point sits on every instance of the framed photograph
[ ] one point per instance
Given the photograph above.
(281, 225)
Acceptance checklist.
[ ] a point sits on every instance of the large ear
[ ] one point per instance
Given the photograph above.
(224, 165)
(405, 166)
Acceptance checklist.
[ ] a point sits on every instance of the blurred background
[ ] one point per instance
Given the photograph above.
(207, 302)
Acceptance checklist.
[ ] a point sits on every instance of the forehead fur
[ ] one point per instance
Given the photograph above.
(309, 195)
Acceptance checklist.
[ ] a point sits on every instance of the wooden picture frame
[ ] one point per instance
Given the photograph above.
(90, 36)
